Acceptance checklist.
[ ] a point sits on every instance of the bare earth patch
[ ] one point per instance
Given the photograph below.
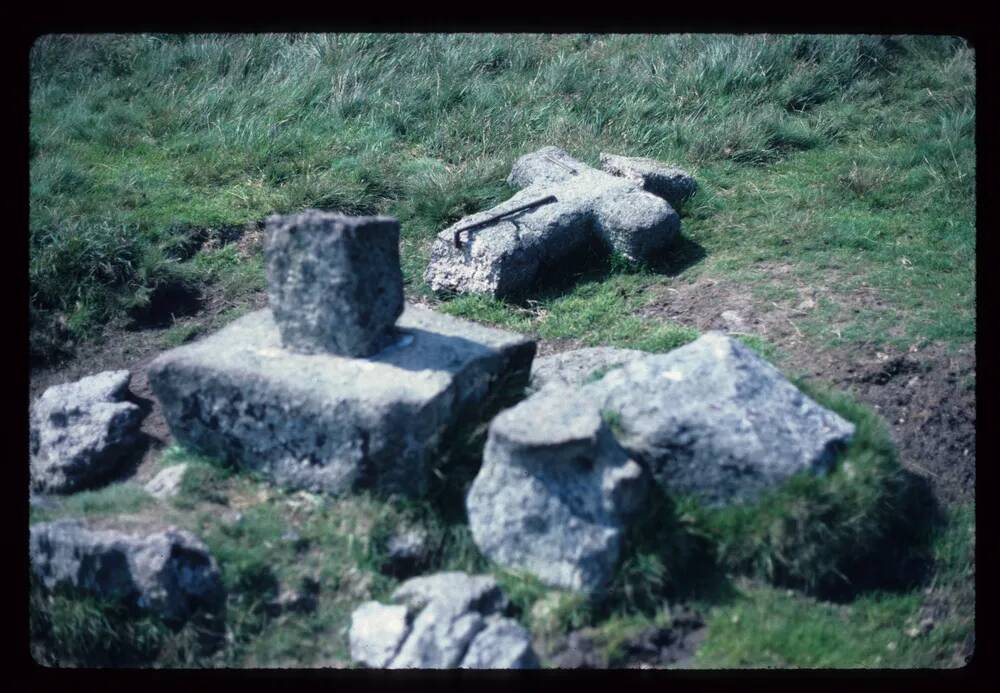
(132, 350)
(926, 395)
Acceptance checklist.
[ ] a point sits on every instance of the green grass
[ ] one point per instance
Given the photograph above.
(853, 156)
(121, 497)
(851, 529)
(782, 628)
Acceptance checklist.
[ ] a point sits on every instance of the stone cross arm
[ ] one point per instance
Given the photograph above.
(624, 208)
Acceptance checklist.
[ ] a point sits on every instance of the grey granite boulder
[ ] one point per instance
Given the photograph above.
(675, 185)
(334, 282)
(579, 366)
(554, 492)
(440, 635)
(502, 644)
(81, 432)
(715, 420)
(323, 422)
(592, 209)
(169, 572)
(465, 592)
(167, 483)
(377, 631)
(444, 621)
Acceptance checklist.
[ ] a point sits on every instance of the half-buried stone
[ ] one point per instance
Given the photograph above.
(714, 420)
(441, 621)
(168, 571)
(82, 432)
(592, 209)
(554, 492)
(579, 366)
(325, 421)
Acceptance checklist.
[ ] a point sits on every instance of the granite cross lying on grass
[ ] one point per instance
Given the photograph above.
(624, 209)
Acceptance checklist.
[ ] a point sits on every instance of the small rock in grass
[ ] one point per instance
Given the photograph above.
(445, 620)
(81, 432)
(167, 483)
(406, 552)
(169, 571)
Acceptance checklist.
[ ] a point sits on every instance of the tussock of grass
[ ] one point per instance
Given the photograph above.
(849, 530)
(781, 628)
(115, 499)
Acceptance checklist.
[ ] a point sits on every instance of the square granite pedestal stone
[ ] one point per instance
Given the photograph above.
(330, 423)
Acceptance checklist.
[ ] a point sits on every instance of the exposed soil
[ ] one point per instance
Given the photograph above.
(652, 648)
(926, 395)
(133, 350)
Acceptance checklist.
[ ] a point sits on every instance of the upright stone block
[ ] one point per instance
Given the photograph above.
(331, 423)
(334, 282)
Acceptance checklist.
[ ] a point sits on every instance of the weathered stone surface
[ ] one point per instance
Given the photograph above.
(446, 620)
(464, 592)
(593, 209)
(502, 644)
(167, 483)
(81, 432)
(714, 419)
(323, 422)
(439, 637)
(169, 572)
(675, 185)
(554, 491)
(579, 366)
(334, 282)
(377, 631)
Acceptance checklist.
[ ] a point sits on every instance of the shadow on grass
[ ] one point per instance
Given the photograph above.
(901, 560)
(71, 628)
(592, 263)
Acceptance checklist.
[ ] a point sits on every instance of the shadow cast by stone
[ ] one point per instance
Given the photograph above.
(902, 560)
(166, 302)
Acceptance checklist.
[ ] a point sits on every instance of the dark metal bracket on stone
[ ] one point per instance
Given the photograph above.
(486, 222)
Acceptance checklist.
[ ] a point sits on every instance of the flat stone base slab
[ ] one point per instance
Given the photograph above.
(331, 423)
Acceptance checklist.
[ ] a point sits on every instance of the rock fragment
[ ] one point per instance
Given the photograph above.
(169, 571)
(555, 491)
(82, 432)
(167, 483)
(714, 419)
(443, 621)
